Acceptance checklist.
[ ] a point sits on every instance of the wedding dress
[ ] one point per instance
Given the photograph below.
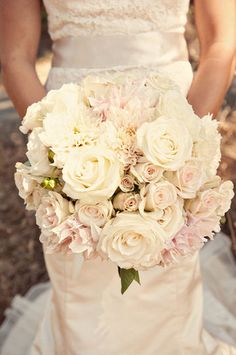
(83, 311)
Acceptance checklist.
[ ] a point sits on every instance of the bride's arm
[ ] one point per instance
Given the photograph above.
(216, 26)
(19, 38)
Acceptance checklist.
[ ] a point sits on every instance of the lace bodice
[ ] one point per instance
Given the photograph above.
(79, 17)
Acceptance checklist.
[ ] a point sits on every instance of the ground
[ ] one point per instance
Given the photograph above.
(21, 258)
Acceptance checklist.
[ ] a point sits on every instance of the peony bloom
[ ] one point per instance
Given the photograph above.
(173, 104)
(165, 142)
(207, 145)
(91, 173)
(131, 241)
(78, 237)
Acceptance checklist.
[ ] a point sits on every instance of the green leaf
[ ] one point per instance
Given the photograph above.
(136, 277)
(223, 220)
(51, 155)
(127, 276)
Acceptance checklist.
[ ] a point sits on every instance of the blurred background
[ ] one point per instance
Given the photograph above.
(21, 258)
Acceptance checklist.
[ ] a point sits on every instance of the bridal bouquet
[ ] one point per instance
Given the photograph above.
(120, 167)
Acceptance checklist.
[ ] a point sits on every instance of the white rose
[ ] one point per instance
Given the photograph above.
(130, 240)
(173, 104)
(215, 201)
(33, 117)
(91, 173)
(172, 218)
(38, 154)
(97, 213)
(126, 201)
(207, 146)
(127, 183)
(28, 186)
(165, 142)
(52, 211)
(226, 189)
(160, 195)
(24, 181)
(145, 171)
(188, 179)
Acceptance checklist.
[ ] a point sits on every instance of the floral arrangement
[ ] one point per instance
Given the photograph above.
(121, 168)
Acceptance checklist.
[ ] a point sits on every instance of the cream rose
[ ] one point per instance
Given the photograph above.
(212, 201)
(28, 186)
(172, 218)
(91, 173)
(97, 213)
(127, 183)
(33, 117)
(38, 154)
(52, 211)
(188, 179)
(129, 240)
(126, 201)
(226, 189)
(145, 171)
(160, 195)
(165, 142)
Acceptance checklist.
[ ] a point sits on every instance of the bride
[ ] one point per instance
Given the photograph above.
(85, 313)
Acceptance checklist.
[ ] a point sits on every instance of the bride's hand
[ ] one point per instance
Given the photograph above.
(216, 26)
(20, 26)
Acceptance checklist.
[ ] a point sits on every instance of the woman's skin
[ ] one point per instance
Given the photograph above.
(216, 25)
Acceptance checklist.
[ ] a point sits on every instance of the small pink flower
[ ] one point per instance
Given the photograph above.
(78, 237)
(190, 238)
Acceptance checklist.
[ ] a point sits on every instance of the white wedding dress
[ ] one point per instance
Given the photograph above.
(82, 312)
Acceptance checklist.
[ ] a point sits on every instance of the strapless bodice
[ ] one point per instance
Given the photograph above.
(78, 17)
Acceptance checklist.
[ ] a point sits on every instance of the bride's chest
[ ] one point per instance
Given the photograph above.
(117, 16)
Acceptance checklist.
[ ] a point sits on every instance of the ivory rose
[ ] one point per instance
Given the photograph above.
(172, 218)
(97, 213)
(211, 201)
(52, 211)
(126, 201)
(127, 183)
(33, 117)
(145, 171)
(28, 186)
(129, 240)
(188, 179)
(160, 195)
(165, 142)
(91, 173)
